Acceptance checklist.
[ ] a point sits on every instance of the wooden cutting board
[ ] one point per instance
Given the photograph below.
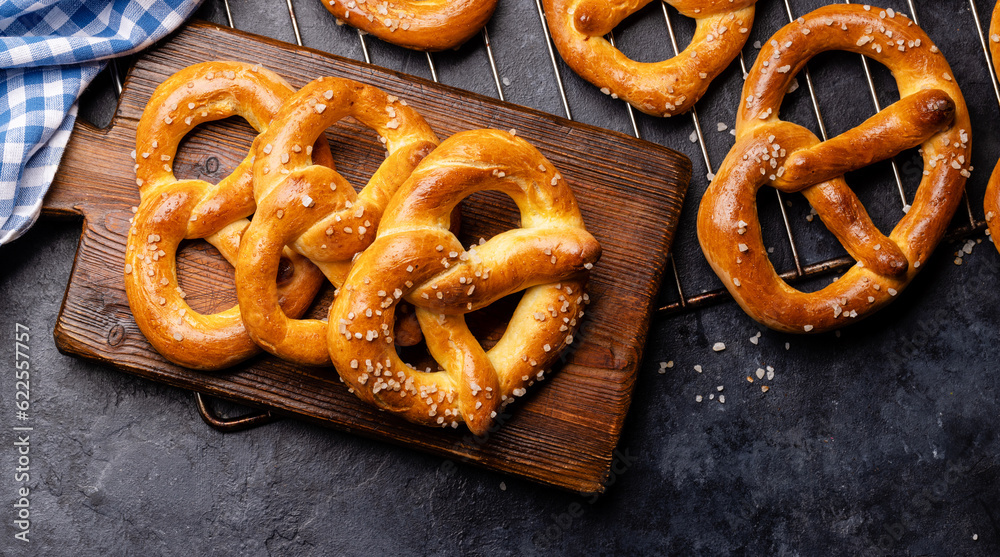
(562, 433)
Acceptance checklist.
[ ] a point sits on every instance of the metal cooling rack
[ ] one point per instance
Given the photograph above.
(800, 271)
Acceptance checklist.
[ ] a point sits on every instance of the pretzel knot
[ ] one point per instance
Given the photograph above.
(662, 88)
(172, 210)
(991, 204)
(313, 209)
(931, 113)
(416, 258)
(421, 25)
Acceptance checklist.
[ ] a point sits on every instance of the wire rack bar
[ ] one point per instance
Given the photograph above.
(493, 64)
(295, 22)
(986, 49)
(430, 64)
(116, 76)
(364, 46)
(555, 62)
(229, 14)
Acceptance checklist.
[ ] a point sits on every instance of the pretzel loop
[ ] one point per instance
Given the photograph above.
(313, 208)
(416, 258)
(429, 25)
(662, 88)
(172, 210)
(931, 113)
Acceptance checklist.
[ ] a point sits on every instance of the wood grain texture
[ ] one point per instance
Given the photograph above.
(562, 433)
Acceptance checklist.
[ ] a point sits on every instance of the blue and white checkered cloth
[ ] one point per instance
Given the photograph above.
(50, 50)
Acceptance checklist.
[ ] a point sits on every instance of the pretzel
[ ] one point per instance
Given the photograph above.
(429, 25)
(662, 88)
(991, 204)
(415, 258)
(173, 210)
(931, 112)
(313, 209)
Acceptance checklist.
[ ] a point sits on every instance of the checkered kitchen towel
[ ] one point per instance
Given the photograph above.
(50, 50)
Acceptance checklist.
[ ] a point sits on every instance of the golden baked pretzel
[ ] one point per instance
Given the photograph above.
(173, 210)
(313, 209)
(991, 204)
(662, 88)
(416, 258)
(421, 25)
(768, 151)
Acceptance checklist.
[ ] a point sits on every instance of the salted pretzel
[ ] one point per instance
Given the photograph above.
(991, 204)
(313, 209)
(429, 25)
(173, 210)
(662, 88)
(415, 258)
(768, 151)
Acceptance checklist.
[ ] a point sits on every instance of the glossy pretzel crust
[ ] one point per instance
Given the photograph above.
(662, 88)
(931, 113)
(429, 25)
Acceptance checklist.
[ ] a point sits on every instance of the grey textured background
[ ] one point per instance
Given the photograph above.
(881, 440)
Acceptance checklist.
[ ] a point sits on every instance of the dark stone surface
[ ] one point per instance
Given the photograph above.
(881, 440)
